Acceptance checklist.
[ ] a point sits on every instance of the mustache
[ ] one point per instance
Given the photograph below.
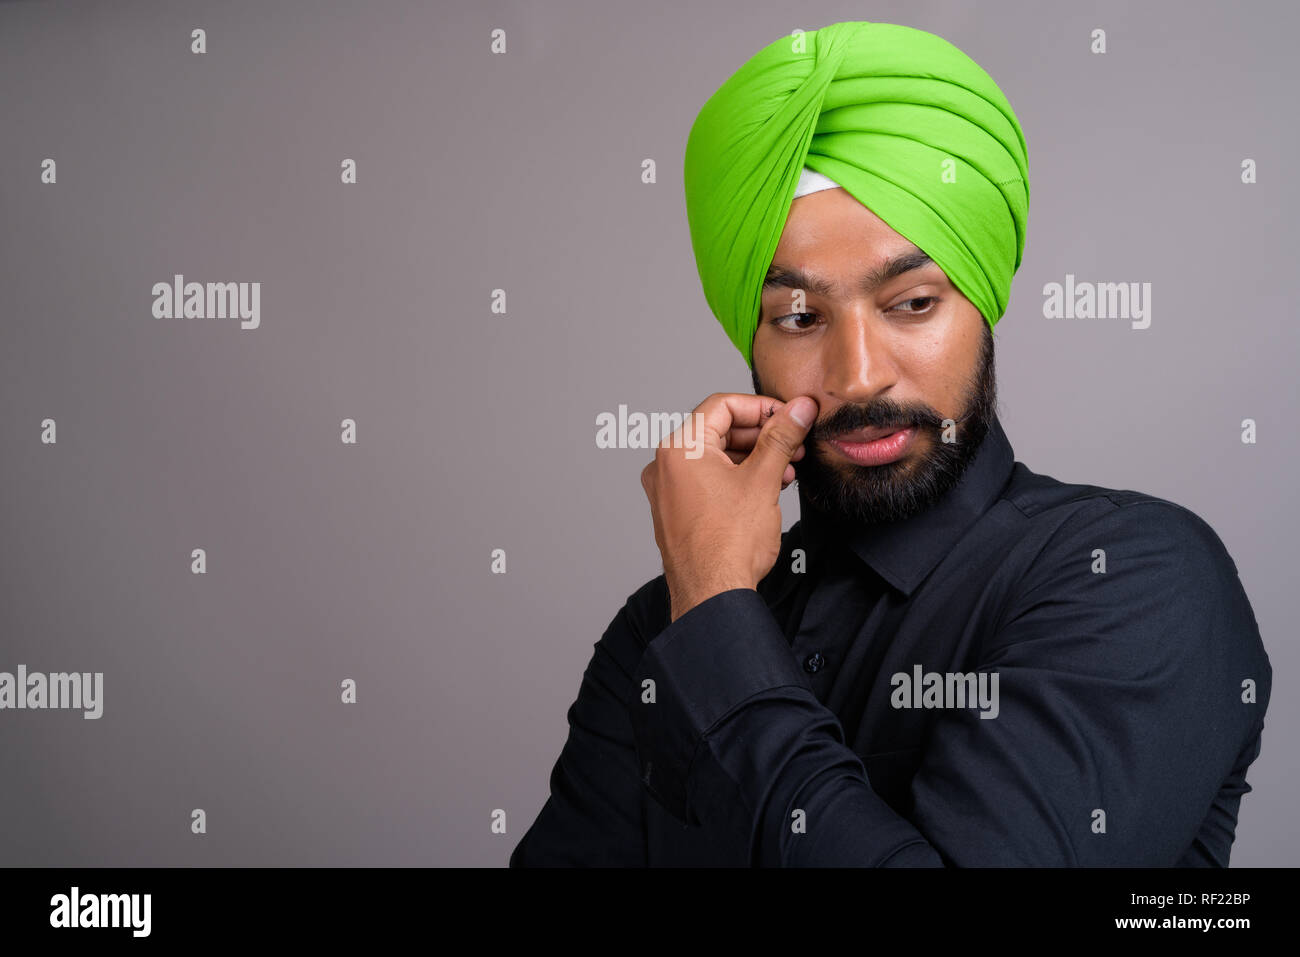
(850, 418)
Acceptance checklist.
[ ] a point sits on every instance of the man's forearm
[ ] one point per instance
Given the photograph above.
(726, 724)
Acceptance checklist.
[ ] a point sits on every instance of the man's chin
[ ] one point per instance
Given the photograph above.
(872, 494)
(849, 491)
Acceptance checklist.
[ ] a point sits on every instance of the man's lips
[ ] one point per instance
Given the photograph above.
(875, 446)
(869, 435)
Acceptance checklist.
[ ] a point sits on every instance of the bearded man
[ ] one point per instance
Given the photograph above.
(950, 660)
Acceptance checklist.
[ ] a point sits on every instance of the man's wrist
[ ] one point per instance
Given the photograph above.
(684, 598)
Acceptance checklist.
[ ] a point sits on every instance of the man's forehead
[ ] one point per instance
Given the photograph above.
(863, 255)
(873, 268)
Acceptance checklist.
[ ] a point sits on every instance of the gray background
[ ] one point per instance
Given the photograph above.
(476, 431)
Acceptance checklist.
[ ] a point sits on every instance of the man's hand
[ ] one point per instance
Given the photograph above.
(717, 515)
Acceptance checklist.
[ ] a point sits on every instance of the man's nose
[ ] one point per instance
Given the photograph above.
(857, 363)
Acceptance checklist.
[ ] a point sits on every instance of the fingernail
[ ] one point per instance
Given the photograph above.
(801, 410)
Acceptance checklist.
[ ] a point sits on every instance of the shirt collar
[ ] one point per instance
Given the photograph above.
(903, 553)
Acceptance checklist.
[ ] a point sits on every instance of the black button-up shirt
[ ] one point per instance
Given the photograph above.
(817, 720)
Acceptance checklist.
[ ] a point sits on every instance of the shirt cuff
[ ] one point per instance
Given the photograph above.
(703, 666)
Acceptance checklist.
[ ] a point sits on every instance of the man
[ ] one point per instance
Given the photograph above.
(949, 660)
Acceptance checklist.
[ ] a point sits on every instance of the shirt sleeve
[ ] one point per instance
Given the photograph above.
(1123, 707)
(594, 814)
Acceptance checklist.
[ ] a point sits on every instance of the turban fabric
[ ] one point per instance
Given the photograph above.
(811, 181)
(908, 124)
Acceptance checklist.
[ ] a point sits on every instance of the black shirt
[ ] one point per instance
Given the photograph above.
(817, 721)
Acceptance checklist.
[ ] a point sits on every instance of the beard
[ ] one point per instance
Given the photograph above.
(871, 494)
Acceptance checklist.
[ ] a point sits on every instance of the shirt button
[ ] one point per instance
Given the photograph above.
(813, 663)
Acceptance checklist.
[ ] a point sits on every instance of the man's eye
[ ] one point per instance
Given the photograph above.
(916, 312)
(809, 319)
(781, 320)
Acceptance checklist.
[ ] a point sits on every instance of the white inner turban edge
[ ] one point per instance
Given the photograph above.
(811, 182)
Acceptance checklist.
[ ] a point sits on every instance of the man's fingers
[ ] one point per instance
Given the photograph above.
(744, 439)
(781, 437)
(719, 414)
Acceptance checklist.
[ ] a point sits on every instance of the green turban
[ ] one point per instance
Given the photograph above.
(908, 124)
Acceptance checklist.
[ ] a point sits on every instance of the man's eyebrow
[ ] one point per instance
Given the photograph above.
(785, 277)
